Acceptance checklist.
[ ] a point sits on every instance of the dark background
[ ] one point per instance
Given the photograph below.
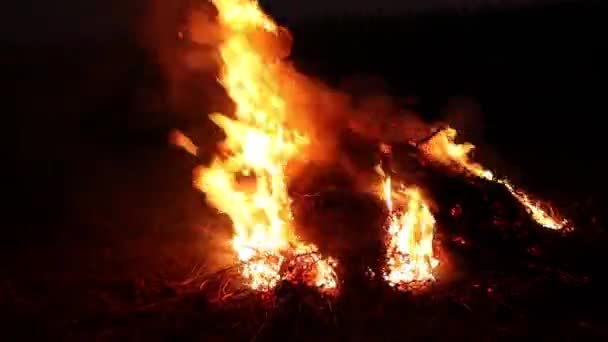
(533, 75)
(37, 21)
(93, 185)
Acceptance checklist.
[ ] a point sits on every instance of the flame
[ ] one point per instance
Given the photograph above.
(179, 139)
(248, 180)
(409, 247)
(442, 149)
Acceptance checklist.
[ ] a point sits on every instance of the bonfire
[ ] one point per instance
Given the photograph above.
(247, 180)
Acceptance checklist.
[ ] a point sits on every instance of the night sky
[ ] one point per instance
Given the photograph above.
(64, 19)
(338, 7)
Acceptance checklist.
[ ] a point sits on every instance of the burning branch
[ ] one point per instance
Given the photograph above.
(441, 148)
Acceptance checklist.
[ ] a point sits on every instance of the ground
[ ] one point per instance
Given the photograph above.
(134, 229)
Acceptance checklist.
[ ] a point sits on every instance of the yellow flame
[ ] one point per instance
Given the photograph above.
(443, 149)
(409, 247)
(243, 15)
(248, 182)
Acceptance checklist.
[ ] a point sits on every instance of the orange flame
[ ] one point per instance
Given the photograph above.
(179, 139)
(258, 148)
(442, 149)
(409, 247)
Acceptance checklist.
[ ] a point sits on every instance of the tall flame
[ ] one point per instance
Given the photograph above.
(411, 225)
(443, 149)
(248, 181)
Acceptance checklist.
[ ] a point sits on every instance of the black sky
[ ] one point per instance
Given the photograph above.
(337, 7)
(64, 19)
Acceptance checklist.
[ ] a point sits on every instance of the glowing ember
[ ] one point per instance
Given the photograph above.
(248, 182)
(442, 148)
(411, 225)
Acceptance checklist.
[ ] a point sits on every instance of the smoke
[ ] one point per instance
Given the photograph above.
(360, 108)
(463, 113)
(184, 38)
(203, 36)
(180, 38)
(345, 126)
